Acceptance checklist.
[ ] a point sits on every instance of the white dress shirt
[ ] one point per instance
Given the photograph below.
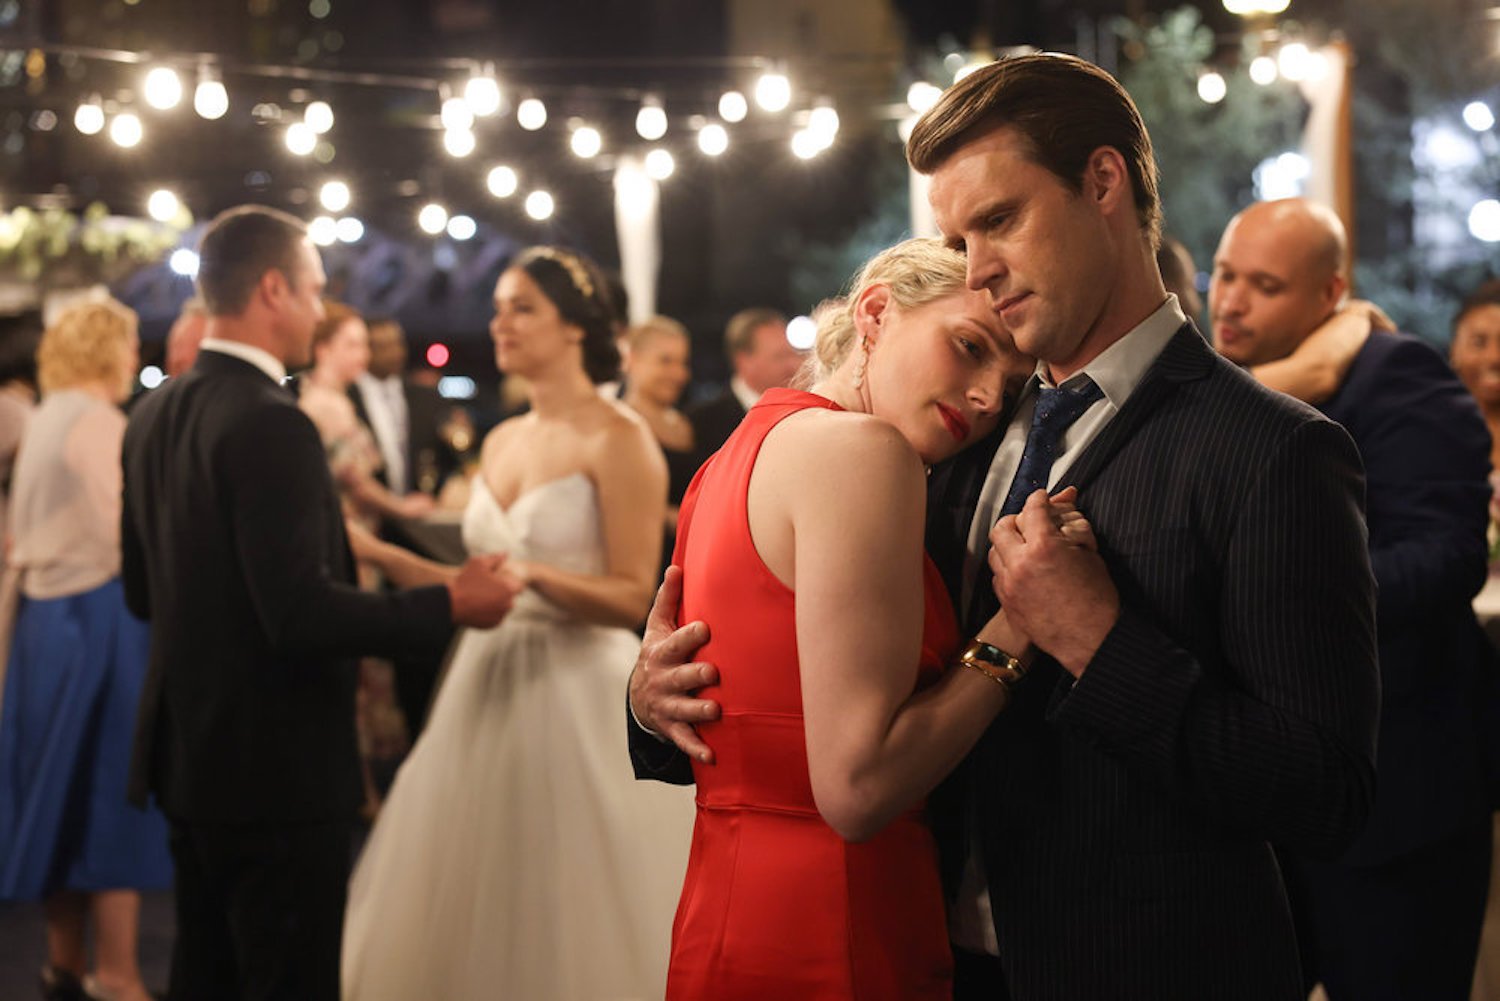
(259, 357)
(385, 403)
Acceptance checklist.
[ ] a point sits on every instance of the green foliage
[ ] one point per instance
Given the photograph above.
(56, 248)
(1206, 152)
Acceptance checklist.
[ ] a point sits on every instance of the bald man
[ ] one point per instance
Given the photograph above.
(1398, 915)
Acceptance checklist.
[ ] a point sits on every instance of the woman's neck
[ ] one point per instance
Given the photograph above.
(554, 395)
(324, 378)
(99, 389)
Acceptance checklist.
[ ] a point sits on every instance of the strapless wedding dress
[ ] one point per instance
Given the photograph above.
(516, 858)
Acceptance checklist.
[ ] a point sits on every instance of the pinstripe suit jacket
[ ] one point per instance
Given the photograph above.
(1125, 821)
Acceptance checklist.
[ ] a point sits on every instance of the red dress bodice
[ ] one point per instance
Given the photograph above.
(776, 904)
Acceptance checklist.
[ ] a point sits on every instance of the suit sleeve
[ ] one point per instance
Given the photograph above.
(1278, 739)
(132, 554)
(655, 759)
(1427, 459)
(282, 499)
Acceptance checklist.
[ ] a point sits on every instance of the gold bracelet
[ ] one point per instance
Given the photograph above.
(1002, 668)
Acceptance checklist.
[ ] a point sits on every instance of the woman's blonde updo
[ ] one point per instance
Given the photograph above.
(916, 272)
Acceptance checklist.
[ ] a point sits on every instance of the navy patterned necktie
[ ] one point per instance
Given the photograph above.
(1056, 410)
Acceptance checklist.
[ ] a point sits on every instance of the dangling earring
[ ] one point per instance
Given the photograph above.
(861, 361)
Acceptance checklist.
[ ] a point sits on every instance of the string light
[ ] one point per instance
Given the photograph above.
(350, 230)
(318, 116)
(323, 231)
(1478, 116)
(659, 164)
(210, 99)
(733, 107)
(458, 142)
(89, 118)
(713, 139)
(433, 218)
(1263, 70)
(1212, 88)
(162, 205)
(539, 205)
(334, 196)
(921, 96)
(651, 120)
(125, 130)
(1484, 221)
(531, 114)
(482, 93)
(502, 181)
(805, 144)
(773, 92)
(163, 88)
(462, 227)
(586, 142)
(184, 262)
(1256, 8)
(301, 139)
(456, 115)
(823, 123)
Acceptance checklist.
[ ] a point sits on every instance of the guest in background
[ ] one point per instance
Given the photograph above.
(185, 337)
(1396, 915)
(1475, 355)
(19, 334)
(341, 353)
(656, 365)
(762, 358)
(406, 417)
(76, 666)
(1180, 276)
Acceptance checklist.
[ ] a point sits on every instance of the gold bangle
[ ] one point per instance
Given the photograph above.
(1002, 668)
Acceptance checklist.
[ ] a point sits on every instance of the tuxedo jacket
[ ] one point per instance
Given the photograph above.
(233, 547)
(713, 422)
(425, 412)
(1125, 821)
(1426, 452)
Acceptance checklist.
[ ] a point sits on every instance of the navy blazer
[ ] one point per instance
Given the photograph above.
(1426, 451)
(233, 547)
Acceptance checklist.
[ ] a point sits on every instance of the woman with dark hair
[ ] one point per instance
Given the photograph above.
(515, 857)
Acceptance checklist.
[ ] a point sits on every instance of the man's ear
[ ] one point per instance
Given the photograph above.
(1336, 289)
(273, 287)
(1106, 181)
(870, 309)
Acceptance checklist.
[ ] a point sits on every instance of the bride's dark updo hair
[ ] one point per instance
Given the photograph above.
(579, 290)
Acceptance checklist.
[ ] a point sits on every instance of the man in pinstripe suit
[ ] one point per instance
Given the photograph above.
(1206, 684)
(1398, 915)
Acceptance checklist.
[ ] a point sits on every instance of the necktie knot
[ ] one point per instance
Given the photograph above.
(1056, 410)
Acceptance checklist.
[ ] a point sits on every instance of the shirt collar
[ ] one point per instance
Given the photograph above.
(742, 392)
(259, 357)
(1119, 368)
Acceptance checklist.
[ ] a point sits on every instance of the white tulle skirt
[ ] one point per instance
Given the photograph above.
(516, 857)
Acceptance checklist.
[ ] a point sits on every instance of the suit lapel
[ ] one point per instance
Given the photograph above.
(1186, 357)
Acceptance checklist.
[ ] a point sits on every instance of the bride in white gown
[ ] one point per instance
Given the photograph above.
(515, 857)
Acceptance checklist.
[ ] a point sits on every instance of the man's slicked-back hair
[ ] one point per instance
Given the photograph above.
(236, 251)
(1062, 107)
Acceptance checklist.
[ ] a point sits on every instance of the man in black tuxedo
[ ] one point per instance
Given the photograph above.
(1398, 915)
(1205, 685)
(762, 358)
(234, 549)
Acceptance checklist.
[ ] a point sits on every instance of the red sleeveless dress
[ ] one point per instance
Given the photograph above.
(775, 904)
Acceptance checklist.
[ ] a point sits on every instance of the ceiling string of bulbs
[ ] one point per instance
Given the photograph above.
(461, 105)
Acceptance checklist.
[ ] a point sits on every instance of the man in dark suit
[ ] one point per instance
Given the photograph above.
(1398, 915)
(405, 417)
(756, 345)
(234, 550)
(1205, 684)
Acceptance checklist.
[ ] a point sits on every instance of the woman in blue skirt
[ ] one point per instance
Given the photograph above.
(75, 667)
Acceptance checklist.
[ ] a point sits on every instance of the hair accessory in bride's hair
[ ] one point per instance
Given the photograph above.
(577, 273)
